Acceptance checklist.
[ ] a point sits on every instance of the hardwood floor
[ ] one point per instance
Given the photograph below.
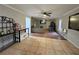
(42, 44)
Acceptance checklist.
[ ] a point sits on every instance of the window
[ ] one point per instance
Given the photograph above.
(28, 24)
(60, 25)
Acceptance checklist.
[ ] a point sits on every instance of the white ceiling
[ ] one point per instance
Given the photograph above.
(34, 10)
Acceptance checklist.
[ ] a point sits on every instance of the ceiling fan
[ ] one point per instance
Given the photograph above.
(46, 13)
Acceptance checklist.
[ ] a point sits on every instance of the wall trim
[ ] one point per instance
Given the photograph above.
(71, 11)
(70, 41)
(17, 10)
(73, 43)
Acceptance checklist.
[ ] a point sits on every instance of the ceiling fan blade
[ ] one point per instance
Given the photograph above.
(49, 13)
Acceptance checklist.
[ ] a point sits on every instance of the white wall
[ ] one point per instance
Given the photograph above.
(72, 35)
(18, 17)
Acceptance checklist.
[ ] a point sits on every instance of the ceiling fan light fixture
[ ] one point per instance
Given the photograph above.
(44, 15)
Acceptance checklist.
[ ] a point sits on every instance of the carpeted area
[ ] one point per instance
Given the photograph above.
(52, 35)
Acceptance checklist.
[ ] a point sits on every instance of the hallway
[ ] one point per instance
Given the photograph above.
(41, 45)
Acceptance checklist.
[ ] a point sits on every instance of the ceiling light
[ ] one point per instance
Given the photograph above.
(44, 15)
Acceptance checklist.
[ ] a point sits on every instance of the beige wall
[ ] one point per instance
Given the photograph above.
(18, 17)
(37, 27)
(37, 22)
(71, 35)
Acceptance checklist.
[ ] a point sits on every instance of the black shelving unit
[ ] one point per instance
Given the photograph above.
(7, 32)
(6, 25)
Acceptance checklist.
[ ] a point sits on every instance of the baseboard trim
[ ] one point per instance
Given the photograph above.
(69, 40)
(73, 43)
